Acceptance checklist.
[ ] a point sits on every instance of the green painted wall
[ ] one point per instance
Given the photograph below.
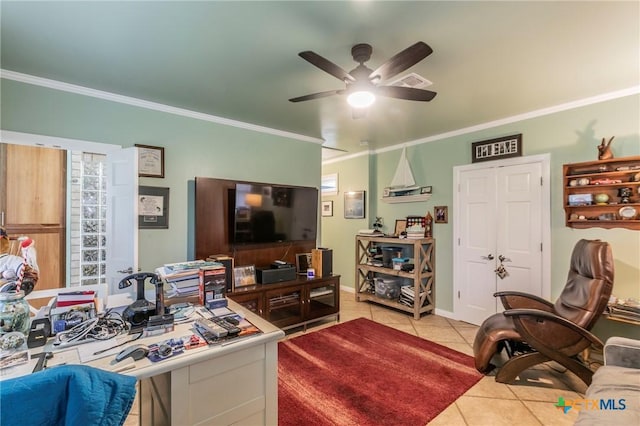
(337, 232)
(568, 136)
(192, 148)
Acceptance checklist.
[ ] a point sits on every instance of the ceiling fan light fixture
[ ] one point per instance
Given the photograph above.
(361, 99)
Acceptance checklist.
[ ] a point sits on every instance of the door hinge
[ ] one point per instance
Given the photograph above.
(541, 247)
(458, 294)
(541, 180)
(458, 241)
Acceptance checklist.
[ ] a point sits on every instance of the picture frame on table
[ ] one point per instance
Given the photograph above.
(327, 208)
(441, 214)
(354, 205)
(401, 226)
(426, 190)
(150, 161)
(153, 207)
(244, 276)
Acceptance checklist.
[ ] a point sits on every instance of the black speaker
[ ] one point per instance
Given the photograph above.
(266, 275)
(322, 261)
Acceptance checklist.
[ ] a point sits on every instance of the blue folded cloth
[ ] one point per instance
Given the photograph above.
(67, 395)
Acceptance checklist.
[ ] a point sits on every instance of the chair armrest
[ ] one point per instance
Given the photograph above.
(516, 300)
(549, 316)
(622, 352)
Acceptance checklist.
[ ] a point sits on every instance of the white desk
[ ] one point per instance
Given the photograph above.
(233, 383)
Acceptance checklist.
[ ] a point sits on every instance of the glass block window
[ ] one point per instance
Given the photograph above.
(88, 219)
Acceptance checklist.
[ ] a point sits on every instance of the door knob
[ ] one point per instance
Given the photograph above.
(490, 257)
(501, 258)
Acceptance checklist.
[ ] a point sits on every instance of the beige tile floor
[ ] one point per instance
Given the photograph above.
(529, 401)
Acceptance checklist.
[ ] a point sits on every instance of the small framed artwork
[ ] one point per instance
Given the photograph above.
(441, 214)
(354, 205)
(401, 226)
(303, 262)
(327, 208)
(153, 207)
(150, 161)
(244, 276)
(426, 190)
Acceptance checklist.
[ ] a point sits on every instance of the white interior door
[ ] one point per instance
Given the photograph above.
(476, 246)
(122, 217)
(518, 228)
(501, 217)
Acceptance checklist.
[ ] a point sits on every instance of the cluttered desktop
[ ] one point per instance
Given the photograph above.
(76, 326)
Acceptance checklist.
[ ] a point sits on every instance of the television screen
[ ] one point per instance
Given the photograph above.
(265, 213)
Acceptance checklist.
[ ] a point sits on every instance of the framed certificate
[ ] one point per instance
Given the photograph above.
(150, 161)
(153, 207)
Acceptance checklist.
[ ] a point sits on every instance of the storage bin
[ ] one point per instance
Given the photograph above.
(388, 253)
(398, 262)
(389, 288)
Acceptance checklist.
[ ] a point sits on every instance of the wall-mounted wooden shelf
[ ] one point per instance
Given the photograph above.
(602, 177)
(406, 198)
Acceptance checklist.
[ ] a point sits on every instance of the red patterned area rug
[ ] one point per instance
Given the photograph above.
(364, 373)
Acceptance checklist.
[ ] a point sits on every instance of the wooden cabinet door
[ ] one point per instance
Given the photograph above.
(33, 203)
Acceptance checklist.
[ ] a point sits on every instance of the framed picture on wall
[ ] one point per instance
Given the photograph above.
(441, 214)
(327, 208)
(153, 207)
(150, 161)
(354, 205)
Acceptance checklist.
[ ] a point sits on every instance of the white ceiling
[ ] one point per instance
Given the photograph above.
(238, 60)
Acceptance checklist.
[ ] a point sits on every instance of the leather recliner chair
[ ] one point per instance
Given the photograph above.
(533, 330)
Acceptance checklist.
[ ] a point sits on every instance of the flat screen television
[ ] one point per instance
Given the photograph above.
(266, 213)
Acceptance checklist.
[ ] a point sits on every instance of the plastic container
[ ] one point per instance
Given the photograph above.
(14, 312)
(389, 288)
(388, 253)
(398, 262)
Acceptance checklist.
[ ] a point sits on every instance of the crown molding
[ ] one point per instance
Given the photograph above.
(113, 97)
(634, 90)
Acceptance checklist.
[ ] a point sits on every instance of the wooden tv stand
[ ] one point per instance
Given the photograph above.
(293, 303)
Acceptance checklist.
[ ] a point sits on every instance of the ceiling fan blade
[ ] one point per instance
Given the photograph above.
(334, 149)
(402, 61)
(326, 66)
(315, 96)
(408, 93)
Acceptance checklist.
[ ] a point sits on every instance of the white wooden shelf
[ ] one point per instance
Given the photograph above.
(406, 198)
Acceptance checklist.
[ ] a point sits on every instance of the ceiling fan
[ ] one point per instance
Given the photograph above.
(332, 148)
(362, 83)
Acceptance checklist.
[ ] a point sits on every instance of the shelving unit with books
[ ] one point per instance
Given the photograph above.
(422, 290)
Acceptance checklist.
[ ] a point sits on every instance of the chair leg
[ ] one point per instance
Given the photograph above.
(510, 370)
(576, 367)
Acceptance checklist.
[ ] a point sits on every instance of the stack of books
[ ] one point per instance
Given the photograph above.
(415, 232)
(628, 310)
(182, 277)
(408, 295)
